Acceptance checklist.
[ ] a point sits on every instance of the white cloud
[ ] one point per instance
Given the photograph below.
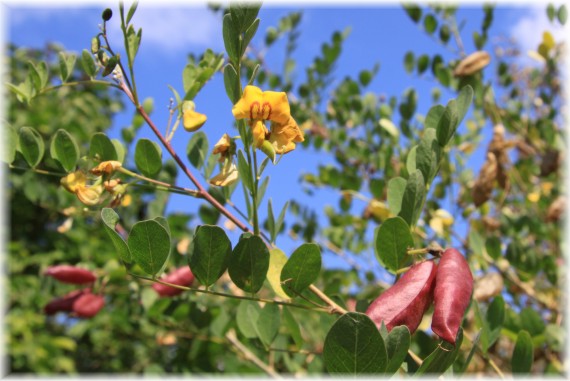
(172, 29)
(529, 29)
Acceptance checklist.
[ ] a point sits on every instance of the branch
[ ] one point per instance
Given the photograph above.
(231, 336)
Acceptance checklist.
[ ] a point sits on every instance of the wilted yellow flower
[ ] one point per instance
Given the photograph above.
(472, 63)
(228, 176)
(90, 196)
(73, 181)
(106, 167)
(284, 136)
(259, 106)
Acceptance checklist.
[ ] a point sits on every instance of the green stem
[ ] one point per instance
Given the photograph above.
(76, 83)
(40, 171)
(264, 300)
(424, 250)
(255, 194)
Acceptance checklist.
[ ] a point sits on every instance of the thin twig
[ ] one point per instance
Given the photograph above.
(231, 336)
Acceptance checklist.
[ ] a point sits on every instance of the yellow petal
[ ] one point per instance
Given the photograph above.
(74, 181)
(193, 120)
(226, 177)
(533, 197)
(258, 105)
(275, 107)
(259, 132)
(284, 136)
(222, 145)
(249, 104)
(548, 40)
(90, 195)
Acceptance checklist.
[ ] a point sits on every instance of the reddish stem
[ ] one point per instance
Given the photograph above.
(202, 192)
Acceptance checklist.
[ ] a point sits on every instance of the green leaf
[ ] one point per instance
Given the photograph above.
(562, 14)
(493, 246)
(110, 66)
(280, 218)
(249, 263)
(261, 191)
(523, 354)
(428, 155)
(409, 61)
(293, 327)
(413, 198)
(246, 318)
(268, 323)
(414, 11)
(277, 260)
(249, 33)
(441, 358)
(31, 145)
(209, 254)
(551, 12)
(301, 269)
(101, 147)
(148, 157)
(392, 240)
(365, 77)
(66, 64)
(34, 77)
(244, 171)
(532, 322)
(396, 188)
(271, 221)
(231, 83)
(110, 220)
(64, 149)
(411, 159)
(119, 149)
(447, 123)
(132, 11)
(354, 346)
(149, 244)
(495, 318)
(433, 116)
(422, 63)
(231, 38)
(464, 100)
(10, 143)
(88, 63)
(197, 149)
(430, 23)
(397, 345)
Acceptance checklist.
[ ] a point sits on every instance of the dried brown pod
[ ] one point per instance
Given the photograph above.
(556, 209)
(485, 183)
(488, 286)
(472, 63)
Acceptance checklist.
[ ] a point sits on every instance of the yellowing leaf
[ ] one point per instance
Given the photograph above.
(277, 260)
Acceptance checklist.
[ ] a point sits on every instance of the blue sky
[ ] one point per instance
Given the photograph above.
(379, 33)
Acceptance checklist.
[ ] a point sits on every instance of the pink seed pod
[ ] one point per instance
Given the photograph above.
(406, 301)
(88, 305)
(452, 293)
(71, 274)
(182, 277)
(65, 303)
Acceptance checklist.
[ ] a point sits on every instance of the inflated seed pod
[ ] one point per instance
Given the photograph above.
(65, 303)
(406, 301)
(88, 305)
(452, 293)
(71, 274)
(182, 277)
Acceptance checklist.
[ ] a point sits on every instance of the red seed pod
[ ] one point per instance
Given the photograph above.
(88, 305)
(452, 293)
(182, 277)
(406, 301)
(71, 274)
(65, 303)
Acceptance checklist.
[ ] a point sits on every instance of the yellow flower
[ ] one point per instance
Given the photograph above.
(90, 196)
(259, 106)
(284, 136)
(74, 181)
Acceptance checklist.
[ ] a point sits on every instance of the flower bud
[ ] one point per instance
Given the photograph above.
(107, 167)
(107, 14)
